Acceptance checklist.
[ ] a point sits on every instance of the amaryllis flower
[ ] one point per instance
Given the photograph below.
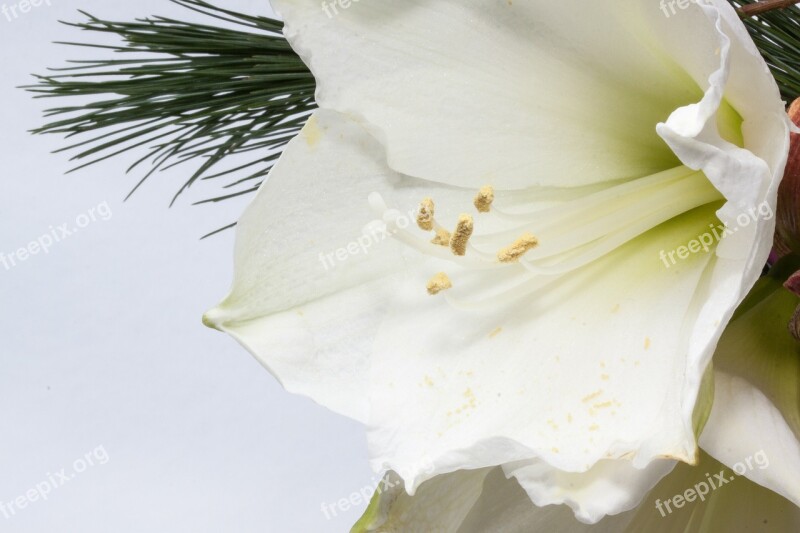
(499, 242)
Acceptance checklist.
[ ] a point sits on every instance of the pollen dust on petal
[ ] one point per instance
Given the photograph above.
(470, 402)
(592, 396)
(312, 132)
(470, 396)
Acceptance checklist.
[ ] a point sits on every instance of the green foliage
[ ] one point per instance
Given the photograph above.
(777, 35)
(188, 93)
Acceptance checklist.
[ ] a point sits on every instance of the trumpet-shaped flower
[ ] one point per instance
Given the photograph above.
(500, 240)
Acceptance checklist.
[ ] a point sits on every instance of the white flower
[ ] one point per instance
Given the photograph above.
(611, 136)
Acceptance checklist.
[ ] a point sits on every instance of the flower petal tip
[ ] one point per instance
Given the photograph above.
(213, 318)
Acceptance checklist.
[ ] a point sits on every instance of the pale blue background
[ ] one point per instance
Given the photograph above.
(103, 345)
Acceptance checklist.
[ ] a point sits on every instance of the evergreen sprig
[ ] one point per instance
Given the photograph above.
(777, 35)
(186, 92)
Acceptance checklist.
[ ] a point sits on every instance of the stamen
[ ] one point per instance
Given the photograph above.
(442, 237)
(464, 229)
(483, 202)
(438, 283)
(617, 237)
(619, 194)
(556, 222)
(681, 196)
(391, 218)
(511, 254)
(572, 230)
(425, 215)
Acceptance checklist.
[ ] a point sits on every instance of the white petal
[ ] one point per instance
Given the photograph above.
(689, 500)
(757, 406)
(540, 79)
(758, 347)
(610, 487)
(737, 505)
(470, 91)
(696, 500)
(306, 314)
(603, 364)
(504, 506)
(729, 68)
(747, 433)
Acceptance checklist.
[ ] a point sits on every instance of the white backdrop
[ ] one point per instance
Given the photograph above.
(108, 378)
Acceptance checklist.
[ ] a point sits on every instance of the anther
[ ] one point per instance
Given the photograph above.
(464, 228)
(483, 202)
(442, 237)
(425, 215)
(511, 254)
(439, 283)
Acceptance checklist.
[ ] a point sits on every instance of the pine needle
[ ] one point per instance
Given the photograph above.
(184, 93)
(777, 35)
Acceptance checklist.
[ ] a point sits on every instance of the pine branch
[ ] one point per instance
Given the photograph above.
(776, 32)
(185, 92)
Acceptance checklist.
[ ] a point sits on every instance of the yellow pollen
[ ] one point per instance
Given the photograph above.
(592, 396)
(442, 237)
(425, 215)
(522, 245)
(439, 283)
(483, 202)
(464, 228)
